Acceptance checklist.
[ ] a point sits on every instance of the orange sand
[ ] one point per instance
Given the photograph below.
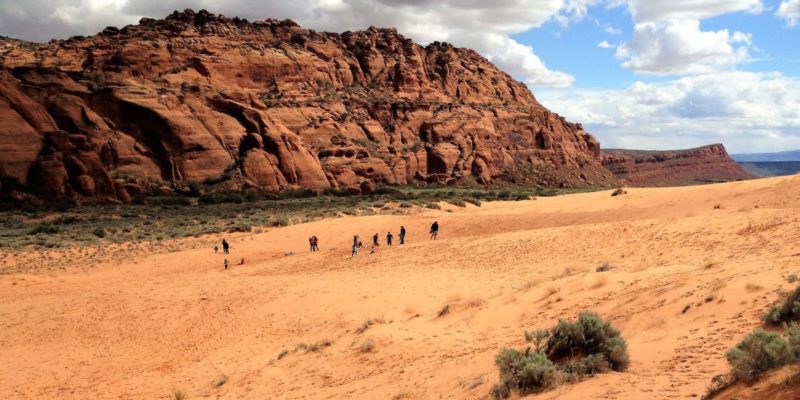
(141, 328)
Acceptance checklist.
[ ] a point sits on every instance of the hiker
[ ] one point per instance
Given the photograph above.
(226, 263)
(311, 243)
(216, 249)
(315, 243)
(355, 249)
(375, 240)
(225, 246)
(402, 234)
(356, 241)
(434, 230)
(389, 238)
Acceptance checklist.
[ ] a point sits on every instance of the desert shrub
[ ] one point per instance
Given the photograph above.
(605, 267)
(47, 229)
(99, 232)
(473, 200)
(788, 310)
(759, 352)
(618, 192)
(221, 198)
(458, 203)
(589, 335)
(566, 353)
(524, 371)
(367, 346)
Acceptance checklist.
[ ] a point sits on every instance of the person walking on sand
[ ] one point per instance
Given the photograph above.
(311, 243)
(375, 240)
(226, 263)
(389, 237)
(225, 246)
(402, 234)
(355, 250)
(216, 249)
(434, 230)
(314, 243)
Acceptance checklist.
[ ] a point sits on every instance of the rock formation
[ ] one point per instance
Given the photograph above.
(706, 164)
(200, 97)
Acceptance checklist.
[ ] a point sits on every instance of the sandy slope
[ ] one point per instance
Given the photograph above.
(139, 328)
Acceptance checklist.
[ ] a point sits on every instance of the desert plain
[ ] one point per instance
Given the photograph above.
(694, 270)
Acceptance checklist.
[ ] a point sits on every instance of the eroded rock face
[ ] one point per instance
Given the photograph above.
(195, 96)
(708, 164)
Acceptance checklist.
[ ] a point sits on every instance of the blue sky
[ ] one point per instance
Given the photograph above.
(670, 74)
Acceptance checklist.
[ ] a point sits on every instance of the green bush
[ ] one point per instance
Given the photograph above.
(787, 311)
(589, 335)
(524, 371)
(566, 353)
(759, 352)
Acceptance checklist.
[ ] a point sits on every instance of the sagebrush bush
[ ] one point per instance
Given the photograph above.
(524, 371)
(566, 353)
(760, 351)
(589, 335)
(788, 310)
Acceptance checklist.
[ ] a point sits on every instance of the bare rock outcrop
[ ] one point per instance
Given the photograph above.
(199, 97)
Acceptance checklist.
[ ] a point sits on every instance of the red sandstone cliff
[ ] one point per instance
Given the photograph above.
(268, 104)
(706, 164)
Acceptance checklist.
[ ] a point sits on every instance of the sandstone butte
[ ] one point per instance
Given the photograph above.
(270, 105)
(707, 164)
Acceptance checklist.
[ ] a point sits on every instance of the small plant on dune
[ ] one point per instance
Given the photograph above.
(759, 352)
(605, 267)
(791, 278)
(569, 352)
(618, 192)
(283, 354)
(221, 380)
(179, 395)
(788, 310)
(367, 346)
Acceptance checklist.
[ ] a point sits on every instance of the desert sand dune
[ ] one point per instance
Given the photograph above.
(695, 268)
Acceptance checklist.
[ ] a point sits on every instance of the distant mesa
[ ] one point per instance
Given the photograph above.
(707, 164)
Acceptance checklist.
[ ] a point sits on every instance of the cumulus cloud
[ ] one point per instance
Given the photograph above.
(484, 26)
(605, 45)
(746, 111)
(654, 10)
(681, 47)
(790, 11)
(667, 37)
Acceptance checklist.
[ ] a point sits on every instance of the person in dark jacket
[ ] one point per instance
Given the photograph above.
(402, 234)
(389, 237)
(434, 230)
(225, 246)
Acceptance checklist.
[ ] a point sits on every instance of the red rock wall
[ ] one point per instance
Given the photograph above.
(197, 96)
(706, 164)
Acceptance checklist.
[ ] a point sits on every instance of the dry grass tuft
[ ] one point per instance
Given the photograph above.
(367, 346)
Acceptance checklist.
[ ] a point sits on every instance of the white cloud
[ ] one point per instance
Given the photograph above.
(484, 26)
(790, 11)
(668, 39)
(605, 45)
(681, 47)
(612, 31)
(654, 10)
(746, 111)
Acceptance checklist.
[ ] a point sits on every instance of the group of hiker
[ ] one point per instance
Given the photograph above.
(313, 242)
